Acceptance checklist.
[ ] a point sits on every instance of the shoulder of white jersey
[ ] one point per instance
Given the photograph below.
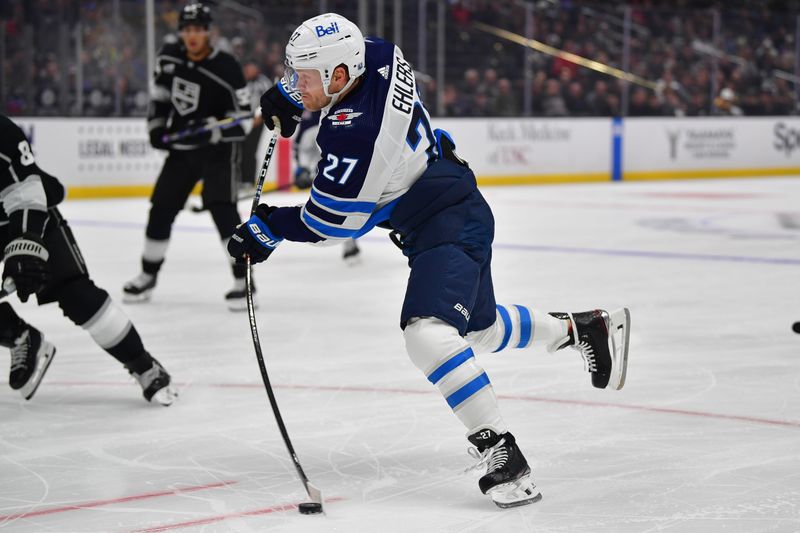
(362, 109)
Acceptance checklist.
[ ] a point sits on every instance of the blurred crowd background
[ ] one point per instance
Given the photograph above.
(88, 57)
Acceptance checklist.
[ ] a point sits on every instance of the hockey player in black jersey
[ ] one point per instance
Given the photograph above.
(41, 258)
(194, 85)
(383, 164)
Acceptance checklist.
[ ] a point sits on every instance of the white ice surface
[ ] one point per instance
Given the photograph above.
(704, 437)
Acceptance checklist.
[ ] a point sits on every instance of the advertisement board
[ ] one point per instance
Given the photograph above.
(503, 151)
(710, 147)
(105, 157)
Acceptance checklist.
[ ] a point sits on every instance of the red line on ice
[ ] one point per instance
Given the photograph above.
(220, 518)
(524, 398)
(100, 503)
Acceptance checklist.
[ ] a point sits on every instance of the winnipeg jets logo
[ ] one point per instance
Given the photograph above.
(384, 71)
(343, 117)
(185, 95)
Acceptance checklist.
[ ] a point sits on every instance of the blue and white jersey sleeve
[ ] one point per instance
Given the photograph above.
(371, 152)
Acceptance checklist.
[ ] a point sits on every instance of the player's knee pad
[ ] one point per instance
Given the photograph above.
(448, 362)
(429, 340)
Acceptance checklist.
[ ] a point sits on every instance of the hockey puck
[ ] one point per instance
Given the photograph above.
(310, 508)
(796, 327)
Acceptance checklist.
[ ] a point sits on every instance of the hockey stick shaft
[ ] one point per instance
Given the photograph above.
(191, 132)
(313, 492)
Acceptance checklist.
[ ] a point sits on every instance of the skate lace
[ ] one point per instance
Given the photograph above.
(587, 352)
(147, 377)
(493, 458)
(19, 352)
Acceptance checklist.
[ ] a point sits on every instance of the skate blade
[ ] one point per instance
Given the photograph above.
(515, 494)
(238, 307)
(140, 298)
(619, 332)
(165, 396)
(47, 352)
(352, 260)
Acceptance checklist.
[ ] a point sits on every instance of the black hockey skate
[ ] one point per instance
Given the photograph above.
(508, 476)
(139, 288)
(236, 298)
(352, 253)
(156, 383)
(31, 356)
(602, 340)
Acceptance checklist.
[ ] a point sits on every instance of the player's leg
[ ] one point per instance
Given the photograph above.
(443, 286)
(219, 196)
(351, 253)
(91, 308)
(31, 354)
(173, 186)
(600, 337)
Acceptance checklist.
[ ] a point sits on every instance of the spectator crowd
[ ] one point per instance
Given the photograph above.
(87, 57)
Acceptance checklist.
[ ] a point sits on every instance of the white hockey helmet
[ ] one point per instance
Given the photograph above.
(323, 43)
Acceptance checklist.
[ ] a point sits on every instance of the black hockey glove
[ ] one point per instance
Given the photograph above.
(254, 237)
(286, 105)
(302, 178)
(25, 261)
(156, 138)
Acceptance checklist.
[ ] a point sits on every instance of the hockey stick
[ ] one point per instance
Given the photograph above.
(191, 132)
(313, 492)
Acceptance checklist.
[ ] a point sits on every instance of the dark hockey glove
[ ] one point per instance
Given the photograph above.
(156, 138)
(25, 261)
(254, 237)
(302, 178)
(284, 104)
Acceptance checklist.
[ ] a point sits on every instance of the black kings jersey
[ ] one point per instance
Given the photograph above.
(25, 190)
(186, 92)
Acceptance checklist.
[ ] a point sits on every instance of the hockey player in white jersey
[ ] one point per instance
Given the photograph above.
(382, 164)
(307, 157)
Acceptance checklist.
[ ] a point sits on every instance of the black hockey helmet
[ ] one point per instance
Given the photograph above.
(195, 13)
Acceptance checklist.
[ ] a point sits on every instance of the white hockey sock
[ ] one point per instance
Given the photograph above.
(517, 326)
(109, 325)
(154, 251)
(448, 362)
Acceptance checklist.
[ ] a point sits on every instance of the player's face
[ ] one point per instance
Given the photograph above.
(309, 83)
(195, 39)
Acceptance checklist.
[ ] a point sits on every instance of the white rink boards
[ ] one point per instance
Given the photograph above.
(704, 437)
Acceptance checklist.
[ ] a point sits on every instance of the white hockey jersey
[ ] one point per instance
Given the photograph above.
(375, 143)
